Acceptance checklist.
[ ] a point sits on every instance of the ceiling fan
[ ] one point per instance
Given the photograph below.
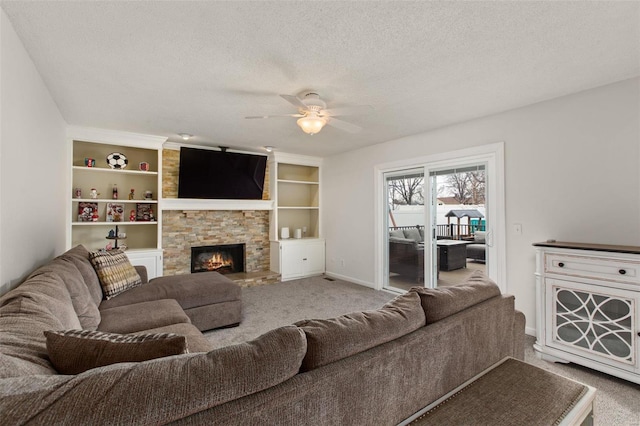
(312, 113)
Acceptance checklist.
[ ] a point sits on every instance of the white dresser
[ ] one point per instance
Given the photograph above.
(588, 305)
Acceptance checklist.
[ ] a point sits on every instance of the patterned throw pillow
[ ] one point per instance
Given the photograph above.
(75, 351)
(115, 271)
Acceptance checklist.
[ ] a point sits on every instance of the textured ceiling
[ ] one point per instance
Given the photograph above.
(167, 67)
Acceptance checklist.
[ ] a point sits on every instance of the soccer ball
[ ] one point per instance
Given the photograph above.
(115, 160)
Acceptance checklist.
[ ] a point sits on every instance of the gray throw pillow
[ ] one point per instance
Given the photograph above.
(413, 234)
(396, 233)
(479, 236)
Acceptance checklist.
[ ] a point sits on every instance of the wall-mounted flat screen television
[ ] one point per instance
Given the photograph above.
(213, 174)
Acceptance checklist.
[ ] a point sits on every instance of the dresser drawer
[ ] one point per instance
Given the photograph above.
(593, 267)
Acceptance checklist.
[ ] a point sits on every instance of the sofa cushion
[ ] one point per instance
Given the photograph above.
(81, 299)
(413, 234)
(439, 303)
(48, 297)
(190, 290)
(396, 233)
(330, 340)
(406, 241)
(479, 236)
(75, 351)
(79, 255)
(26, 312)
(115, 271)
(23, 350)
(142, 316)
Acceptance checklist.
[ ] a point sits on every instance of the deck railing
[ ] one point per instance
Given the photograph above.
(451, 231)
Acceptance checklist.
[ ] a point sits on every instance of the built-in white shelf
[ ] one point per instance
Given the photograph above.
(299, 208)
(141, 222)
(115, 201)
(301, 182)
(116, 171)
(199, 204)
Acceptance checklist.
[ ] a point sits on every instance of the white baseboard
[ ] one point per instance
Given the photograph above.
(530, 331)
(350, 279)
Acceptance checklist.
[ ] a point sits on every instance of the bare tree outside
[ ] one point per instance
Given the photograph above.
(465, 188)
(407, 191)
(477, 183)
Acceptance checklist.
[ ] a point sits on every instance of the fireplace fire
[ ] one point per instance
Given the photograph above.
(225, 259)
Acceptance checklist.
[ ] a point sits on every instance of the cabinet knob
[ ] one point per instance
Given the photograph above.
(561, 264)
(622, 272)
(304, 258)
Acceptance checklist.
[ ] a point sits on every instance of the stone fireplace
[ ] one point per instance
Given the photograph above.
(183, 229)
(186, 228)
(222, 258)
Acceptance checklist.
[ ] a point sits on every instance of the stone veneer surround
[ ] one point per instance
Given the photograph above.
(183, 229)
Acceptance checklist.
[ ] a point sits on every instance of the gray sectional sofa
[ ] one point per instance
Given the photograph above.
(375, 367)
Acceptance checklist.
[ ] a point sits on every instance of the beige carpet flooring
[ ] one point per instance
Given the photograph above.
(271, 306)
(274, 305)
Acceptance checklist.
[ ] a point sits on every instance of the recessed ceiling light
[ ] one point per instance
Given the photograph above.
(268, 148)
(185, 136)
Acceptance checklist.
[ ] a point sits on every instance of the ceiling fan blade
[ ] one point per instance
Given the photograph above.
(352, 110)
(294, 100)
(271, 116)
(343, 125)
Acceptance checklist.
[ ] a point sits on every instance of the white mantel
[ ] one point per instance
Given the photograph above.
(200, 204)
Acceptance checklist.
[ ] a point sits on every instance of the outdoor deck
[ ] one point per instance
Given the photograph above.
(454, 232)
(445, 278)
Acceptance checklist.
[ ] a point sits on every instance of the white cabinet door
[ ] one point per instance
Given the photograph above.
(593, 321)
(150, 259)
(301, 258)
(313, 262)
(290, 261)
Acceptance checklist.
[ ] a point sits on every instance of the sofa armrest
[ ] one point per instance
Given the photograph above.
(142, 271)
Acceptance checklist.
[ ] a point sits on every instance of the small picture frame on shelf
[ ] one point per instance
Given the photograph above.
(115, 212)
(144, 212)
(87, 212)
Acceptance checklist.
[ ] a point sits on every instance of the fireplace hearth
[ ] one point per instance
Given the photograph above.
(225, 258)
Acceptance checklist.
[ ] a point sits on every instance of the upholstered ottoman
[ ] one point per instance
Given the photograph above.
(209, 299)
(512, 392)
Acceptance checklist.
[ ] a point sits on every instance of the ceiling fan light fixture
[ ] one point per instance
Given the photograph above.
(311, 124)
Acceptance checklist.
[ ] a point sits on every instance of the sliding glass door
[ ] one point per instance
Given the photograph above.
(459, 222)
(404, 229)
(441, 218)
